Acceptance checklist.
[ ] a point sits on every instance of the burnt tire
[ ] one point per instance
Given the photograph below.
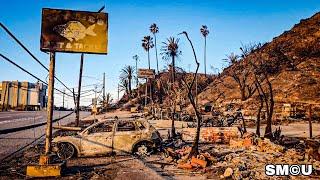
(65, 150)
(143, 149)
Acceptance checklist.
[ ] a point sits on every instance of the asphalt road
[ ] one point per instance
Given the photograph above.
(23, 118)
(13, 141)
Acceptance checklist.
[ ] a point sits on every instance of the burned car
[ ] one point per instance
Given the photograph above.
(120, 136)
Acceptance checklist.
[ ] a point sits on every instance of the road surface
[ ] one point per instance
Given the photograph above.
(13, 141)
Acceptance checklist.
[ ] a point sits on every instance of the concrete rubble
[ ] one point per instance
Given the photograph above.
(245, 157)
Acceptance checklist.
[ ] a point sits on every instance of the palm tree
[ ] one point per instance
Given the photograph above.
(147, 44)
(232, 58)
(204, 31)
(171, 50)
(123, 85)
(127, 73)
(154, 30)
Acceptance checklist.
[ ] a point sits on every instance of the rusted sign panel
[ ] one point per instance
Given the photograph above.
(146, 73)
(74, 31)
(211, 134)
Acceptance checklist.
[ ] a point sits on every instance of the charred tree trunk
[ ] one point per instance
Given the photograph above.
(195, 145)
(259, 111)
(268, 131)
(243, 93)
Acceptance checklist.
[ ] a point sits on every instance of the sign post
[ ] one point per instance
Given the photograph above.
(147, 74)
(74, 32)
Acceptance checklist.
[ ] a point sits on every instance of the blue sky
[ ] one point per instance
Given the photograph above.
(230, 23)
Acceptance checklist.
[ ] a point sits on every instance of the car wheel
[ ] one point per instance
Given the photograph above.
(65, 150)
(143, 149)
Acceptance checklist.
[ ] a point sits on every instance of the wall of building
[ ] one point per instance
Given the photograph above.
(22, 95)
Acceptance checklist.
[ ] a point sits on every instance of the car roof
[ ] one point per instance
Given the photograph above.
(113, 120)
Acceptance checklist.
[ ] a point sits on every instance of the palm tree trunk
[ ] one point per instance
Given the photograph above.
(155, 46)
(149, 58)
(129, 79)
(173, 70)
(173, 131)
(205, 56)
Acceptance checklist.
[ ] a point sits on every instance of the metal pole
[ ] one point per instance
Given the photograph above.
(118, 93)
(79, 90)
(50, 103)
(104, 90)
(63, 98)
(95, 102)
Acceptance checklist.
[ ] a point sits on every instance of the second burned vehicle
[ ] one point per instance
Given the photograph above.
(128, 136)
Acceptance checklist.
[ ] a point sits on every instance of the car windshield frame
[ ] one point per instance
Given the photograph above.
(86, 130)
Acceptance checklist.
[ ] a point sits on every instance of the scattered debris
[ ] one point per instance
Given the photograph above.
(228, 172)
(211, 134)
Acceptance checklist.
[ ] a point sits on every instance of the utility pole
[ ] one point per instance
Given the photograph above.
(50, 104)
(64, 91)
(104, 91)
(79, 90)
(136, 58)
(118, 93)
(95, 102)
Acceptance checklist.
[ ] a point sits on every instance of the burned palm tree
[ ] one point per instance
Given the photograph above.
(170, 50)
(147, 44)
(154, 29)
(204, 31)
(127, 73)
(123, 85)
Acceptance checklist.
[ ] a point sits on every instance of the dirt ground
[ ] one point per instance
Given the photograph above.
(246, 162)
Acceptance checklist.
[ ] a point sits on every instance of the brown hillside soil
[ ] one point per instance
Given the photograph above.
(296, 54)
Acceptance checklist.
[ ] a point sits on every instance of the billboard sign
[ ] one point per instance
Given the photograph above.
(74, 31)
(146, 73)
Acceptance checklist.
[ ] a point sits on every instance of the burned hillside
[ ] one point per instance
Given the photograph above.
(294, 58)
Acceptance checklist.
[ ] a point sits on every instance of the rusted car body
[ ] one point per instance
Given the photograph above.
(129, 136)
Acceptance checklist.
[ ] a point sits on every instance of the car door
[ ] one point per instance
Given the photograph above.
(125, 136)
(97, 140)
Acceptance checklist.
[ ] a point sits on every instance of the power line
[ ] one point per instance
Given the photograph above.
(7, 59)
(26, 49)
